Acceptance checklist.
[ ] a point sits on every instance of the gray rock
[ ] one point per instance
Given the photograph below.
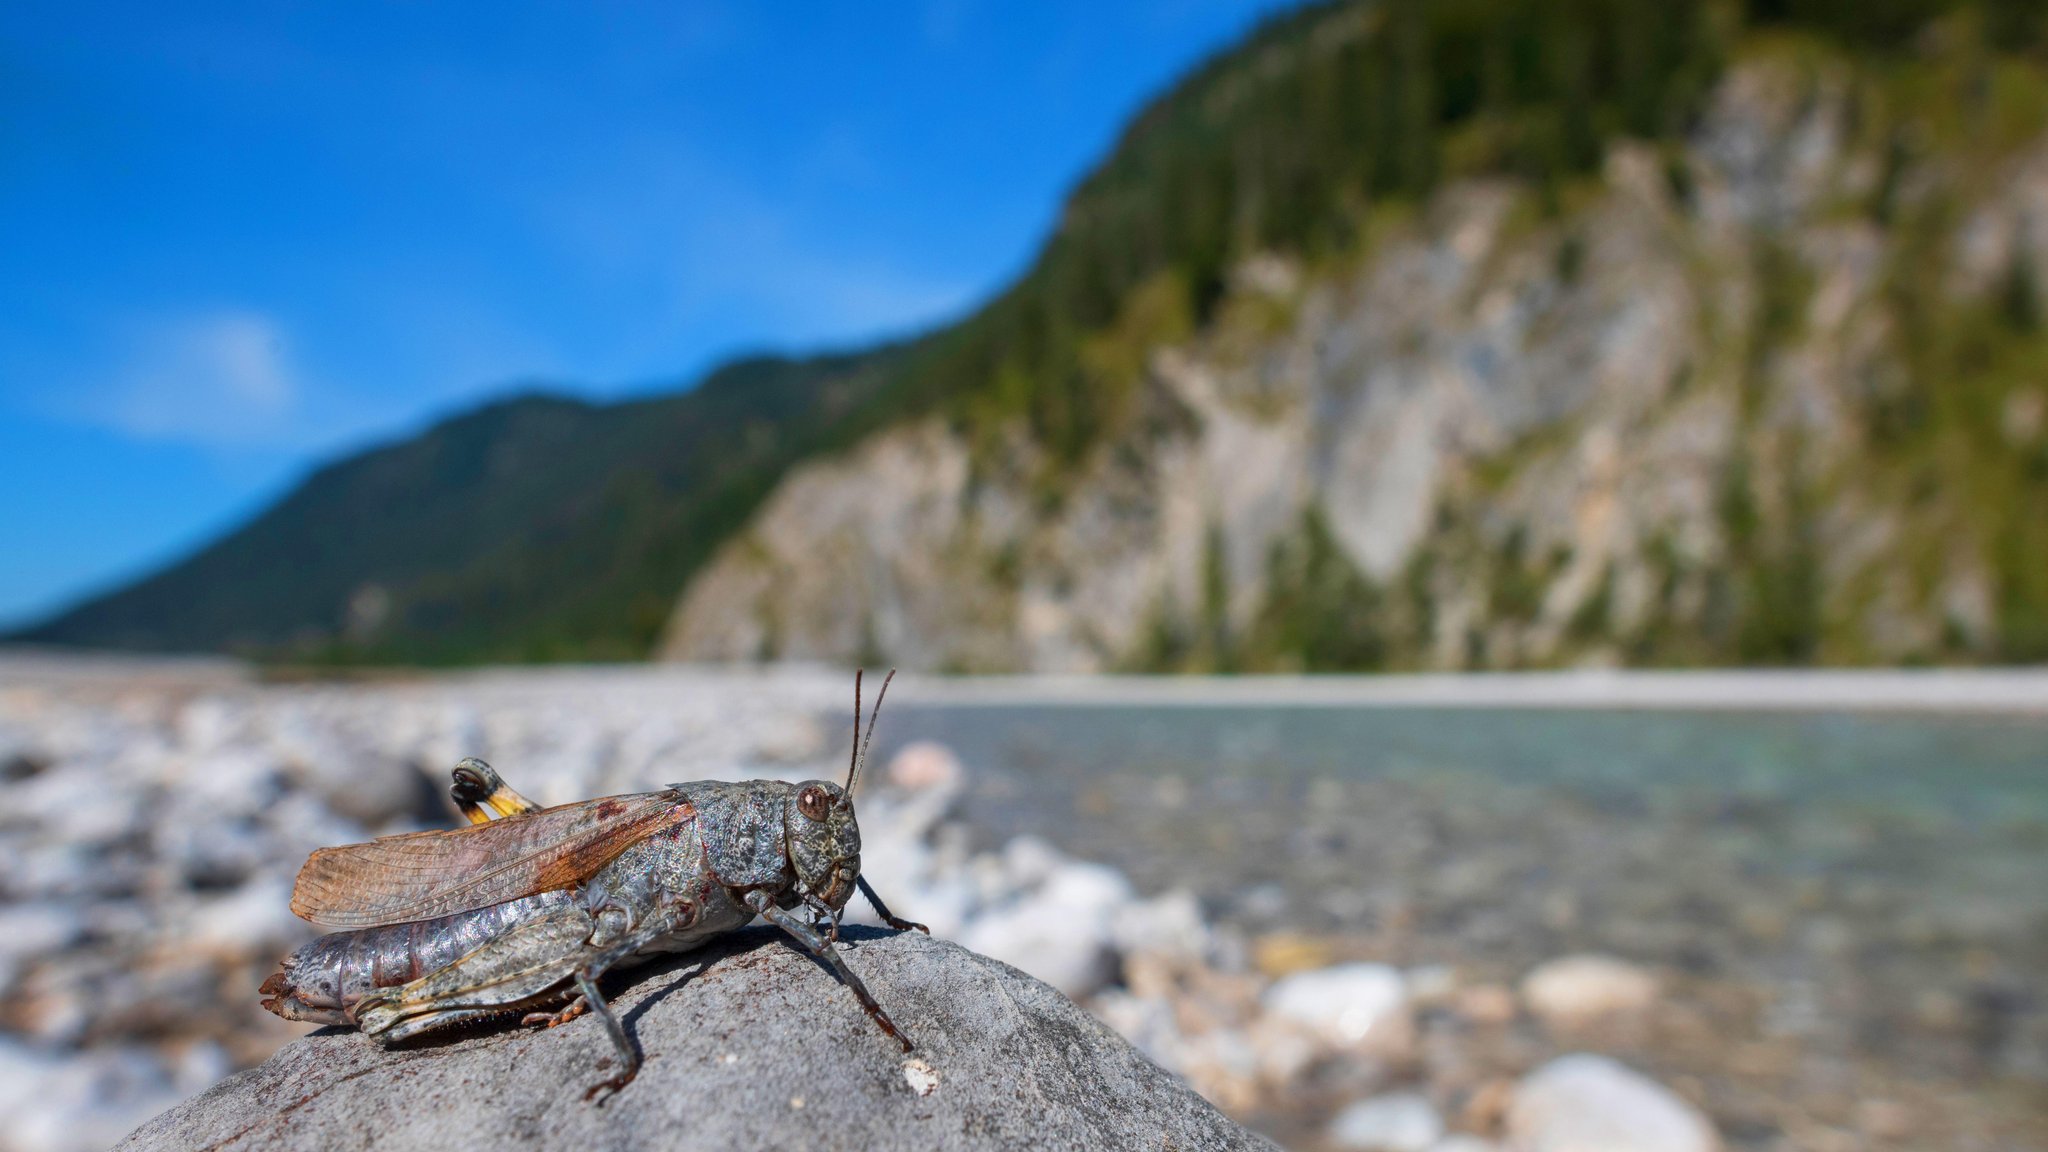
(749, 1044)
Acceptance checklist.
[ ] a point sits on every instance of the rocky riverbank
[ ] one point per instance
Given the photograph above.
(150, 825)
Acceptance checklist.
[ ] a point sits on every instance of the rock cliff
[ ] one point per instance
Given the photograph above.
(1685, 411)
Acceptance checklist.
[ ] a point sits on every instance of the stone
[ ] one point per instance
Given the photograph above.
(748, 1044)
(1285, 953)
(1587, 1103)
(1395, 1122)
(1059, 929)
(1347, 1005)
(1169, 926)
(924, 764)
(1574, 991)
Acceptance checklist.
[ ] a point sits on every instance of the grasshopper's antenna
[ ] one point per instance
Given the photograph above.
(860, 756)
(853, 756)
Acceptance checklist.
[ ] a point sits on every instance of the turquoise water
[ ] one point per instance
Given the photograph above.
(1883, 878)
(1973, 769)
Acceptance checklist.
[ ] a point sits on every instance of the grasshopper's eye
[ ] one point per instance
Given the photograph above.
(813, 803)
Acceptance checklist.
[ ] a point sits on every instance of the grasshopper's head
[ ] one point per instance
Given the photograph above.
(824, 838)
(824, 842)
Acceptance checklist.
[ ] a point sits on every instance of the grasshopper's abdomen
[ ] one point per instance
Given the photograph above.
(322, 981)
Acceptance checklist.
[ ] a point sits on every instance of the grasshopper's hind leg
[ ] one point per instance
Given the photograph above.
(520, 969)
(533, 966)
(481, 793)
(576, 1006)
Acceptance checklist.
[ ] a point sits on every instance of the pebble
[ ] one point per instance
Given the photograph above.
(922, 1077)
(1573, 991)
(1170, 926)
(1346, 1005)
(1395, 1122)
(1283, 953)
(1059, 928)
(925, 764)
(1588, 1103)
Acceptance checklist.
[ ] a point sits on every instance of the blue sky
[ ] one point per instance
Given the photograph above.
(238, 240)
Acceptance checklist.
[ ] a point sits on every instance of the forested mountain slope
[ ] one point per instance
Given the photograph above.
(538, 527)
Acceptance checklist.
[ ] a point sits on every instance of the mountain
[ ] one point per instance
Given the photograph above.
(538, 527)
(1439, 333)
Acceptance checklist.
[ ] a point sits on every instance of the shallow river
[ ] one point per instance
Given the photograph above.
(1882, 881)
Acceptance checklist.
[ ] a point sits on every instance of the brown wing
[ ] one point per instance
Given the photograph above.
(394, 879)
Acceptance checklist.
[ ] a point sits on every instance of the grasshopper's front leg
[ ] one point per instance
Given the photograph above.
(822, 948)
(481, 793)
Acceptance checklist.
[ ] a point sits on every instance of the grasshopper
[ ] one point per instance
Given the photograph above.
(526, 908)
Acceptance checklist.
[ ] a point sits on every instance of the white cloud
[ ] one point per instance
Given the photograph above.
(220, 378)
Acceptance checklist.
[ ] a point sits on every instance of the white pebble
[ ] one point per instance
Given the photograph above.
(1344, 1004)
(1586, 1103)
(1575, 990)
(922, 1077)
(1395, 1122)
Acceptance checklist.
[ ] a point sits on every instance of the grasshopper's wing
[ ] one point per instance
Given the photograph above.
(395, 879)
